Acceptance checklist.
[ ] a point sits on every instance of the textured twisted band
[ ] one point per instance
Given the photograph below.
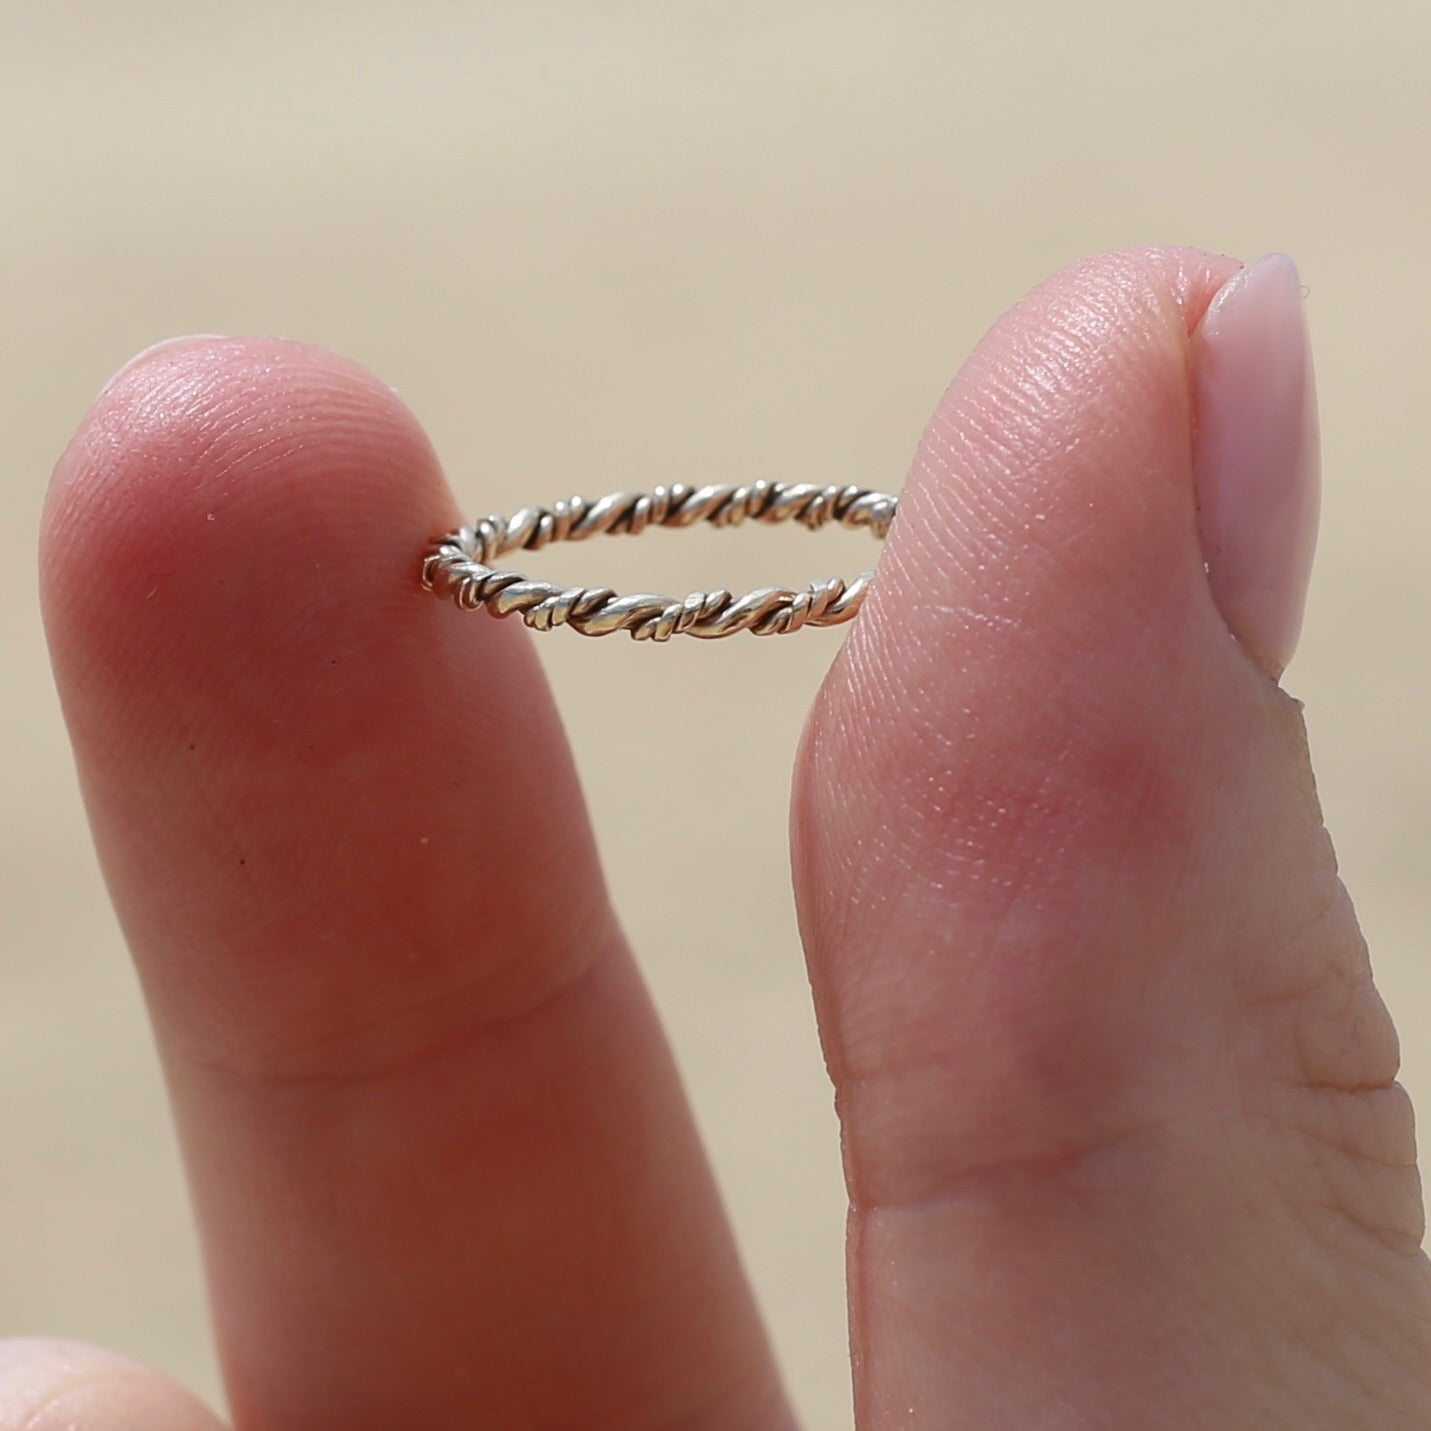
(459, 565)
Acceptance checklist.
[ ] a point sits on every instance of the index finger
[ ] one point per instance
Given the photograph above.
(443, 1168)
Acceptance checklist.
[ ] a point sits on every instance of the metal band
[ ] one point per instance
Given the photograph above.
(458, 566)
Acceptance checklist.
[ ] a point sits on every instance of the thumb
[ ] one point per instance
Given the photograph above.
(1116, 1088)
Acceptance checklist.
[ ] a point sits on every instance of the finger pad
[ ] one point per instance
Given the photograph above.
(1006, 781)
(280, 735)
(247, 513)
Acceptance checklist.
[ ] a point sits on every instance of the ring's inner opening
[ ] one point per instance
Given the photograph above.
(674, 561)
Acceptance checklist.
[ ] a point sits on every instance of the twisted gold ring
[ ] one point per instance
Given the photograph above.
(458, 566)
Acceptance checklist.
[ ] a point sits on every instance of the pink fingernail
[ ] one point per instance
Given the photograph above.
(1256, 456)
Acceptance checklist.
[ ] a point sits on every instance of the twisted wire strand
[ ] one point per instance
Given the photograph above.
(459, 566)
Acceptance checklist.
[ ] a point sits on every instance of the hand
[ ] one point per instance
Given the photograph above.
(1123, 1143)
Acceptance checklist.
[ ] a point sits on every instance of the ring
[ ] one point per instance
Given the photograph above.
(458, 565)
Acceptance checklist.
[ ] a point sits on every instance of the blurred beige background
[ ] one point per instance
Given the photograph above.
(604, 245)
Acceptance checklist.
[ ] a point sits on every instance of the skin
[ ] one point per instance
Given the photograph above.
(1122, 1136)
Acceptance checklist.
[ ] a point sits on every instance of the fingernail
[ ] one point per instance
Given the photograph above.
(149, 352)
(1257, 457)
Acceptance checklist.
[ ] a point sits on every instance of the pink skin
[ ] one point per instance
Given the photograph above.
(1122, 1139)
(1105, 1045)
